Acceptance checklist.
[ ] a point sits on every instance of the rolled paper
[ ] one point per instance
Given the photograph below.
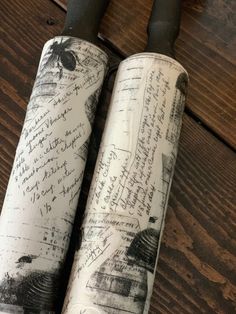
(114, 268)
(44, 186)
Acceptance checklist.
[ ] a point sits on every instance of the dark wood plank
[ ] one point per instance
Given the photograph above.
(196, 269)
(206, 48)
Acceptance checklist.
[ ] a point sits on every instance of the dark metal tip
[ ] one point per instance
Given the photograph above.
(83, 18)
(164, 25)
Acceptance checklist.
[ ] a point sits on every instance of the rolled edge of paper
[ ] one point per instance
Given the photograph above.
(159, 57)
(44, 186)
(114, 268)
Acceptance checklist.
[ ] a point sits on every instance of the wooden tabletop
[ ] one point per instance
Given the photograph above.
(197, 266)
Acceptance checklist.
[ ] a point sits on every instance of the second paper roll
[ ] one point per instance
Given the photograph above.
(114, 268)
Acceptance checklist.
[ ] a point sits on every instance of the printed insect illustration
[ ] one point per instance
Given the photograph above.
(62, 55)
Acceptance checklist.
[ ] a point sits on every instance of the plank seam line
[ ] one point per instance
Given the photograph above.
(189, 112)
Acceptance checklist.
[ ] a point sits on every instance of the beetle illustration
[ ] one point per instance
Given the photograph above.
(63, 55)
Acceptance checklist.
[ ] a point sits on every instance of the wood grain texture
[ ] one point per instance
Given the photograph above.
(196, 269)
(206, 48)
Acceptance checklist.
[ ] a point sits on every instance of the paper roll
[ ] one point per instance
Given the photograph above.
(44, 186)
(114, 268)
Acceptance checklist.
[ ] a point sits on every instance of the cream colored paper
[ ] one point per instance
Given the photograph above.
(114, 268)
(41, 199)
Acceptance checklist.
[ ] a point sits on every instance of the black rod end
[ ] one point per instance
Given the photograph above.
(83, 18)
(163, 27)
